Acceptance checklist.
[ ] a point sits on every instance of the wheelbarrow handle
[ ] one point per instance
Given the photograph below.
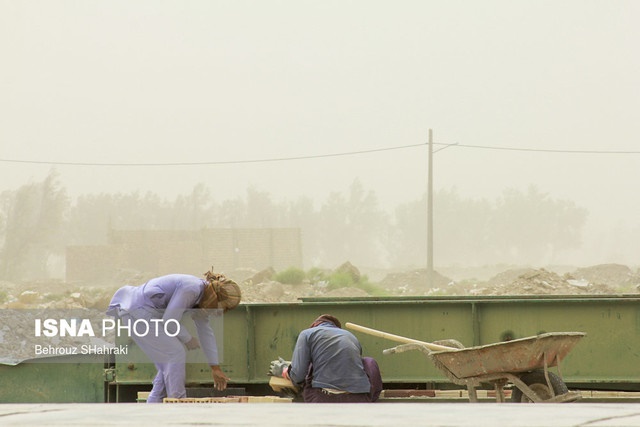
(406, 347)
(397, 338)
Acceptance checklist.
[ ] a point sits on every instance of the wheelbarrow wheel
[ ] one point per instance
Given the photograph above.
(538, 383)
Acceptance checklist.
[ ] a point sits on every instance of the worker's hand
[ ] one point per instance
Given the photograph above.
(220, 380)
(192, 344)
(279, 368)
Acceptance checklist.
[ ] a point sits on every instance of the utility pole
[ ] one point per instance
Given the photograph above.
(430, 215)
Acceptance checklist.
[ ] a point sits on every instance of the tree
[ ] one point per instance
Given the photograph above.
(261, 212)
(301, 213)
(530, 227)
(521, 227)
(460, 225)
(408, 240)
(34, 218)
(353, 228)
(194, 211)
(459, 230)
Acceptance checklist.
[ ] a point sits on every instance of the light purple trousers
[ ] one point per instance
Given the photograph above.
(169, 356)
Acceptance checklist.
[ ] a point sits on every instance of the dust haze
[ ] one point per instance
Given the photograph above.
(301, 100)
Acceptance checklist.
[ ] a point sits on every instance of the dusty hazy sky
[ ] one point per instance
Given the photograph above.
(180, 81)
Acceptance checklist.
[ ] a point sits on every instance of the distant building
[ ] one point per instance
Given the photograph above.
(158, 252)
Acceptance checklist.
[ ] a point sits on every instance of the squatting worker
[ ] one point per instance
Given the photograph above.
(327, 362)
(168, 297)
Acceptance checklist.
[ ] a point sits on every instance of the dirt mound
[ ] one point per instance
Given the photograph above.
(539, 282)
(414, 282)
(615, 275)
(272, 291)
(509, 276)
(261, 287)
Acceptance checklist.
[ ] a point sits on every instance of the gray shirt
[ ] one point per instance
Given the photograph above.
(336, 356)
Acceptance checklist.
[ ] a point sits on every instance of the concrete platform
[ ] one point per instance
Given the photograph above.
(300, 414)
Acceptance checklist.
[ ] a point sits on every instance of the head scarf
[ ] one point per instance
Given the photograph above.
(220, 289)
(326, 318)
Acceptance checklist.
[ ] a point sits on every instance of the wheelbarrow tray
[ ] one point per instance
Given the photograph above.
(519, 355)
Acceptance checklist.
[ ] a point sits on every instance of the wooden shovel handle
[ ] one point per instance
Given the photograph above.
(397, 338)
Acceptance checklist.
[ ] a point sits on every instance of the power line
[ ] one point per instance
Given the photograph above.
(542, 150)
(215, 162)
(318, 156)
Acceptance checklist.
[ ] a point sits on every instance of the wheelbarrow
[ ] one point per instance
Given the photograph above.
(523, 362)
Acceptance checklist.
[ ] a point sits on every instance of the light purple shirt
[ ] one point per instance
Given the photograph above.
(174, 293)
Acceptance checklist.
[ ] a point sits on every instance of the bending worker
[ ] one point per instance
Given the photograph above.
(327, 363)
(167, 298)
